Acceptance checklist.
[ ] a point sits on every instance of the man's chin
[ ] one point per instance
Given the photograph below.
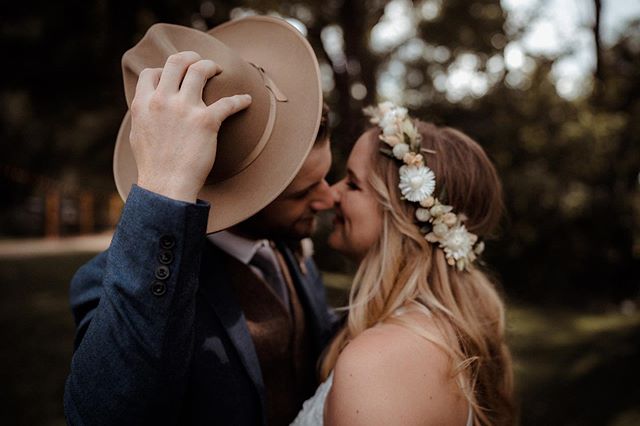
(304, 228)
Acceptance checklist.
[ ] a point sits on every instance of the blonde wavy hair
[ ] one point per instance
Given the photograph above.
(403, 269)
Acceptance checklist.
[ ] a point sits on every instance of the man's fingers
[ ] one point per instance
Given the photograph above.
(147, 82)
(224, 107)
(174, 71)
(197, 76)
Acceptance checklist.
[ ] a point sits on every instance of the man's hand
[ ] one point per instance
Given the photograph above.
(173, 133)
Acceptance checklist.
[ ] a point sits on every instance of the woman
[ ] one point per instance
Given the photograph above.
(424, 341)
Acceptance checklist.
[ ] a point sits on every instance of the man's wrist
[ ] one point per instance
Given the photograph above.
(175, 192)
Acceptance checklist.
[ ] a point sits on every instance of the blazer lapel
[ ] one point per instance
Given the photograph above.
(215, 286)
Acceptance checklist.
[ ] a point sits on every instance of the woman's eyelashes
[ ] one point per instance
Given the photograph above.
(352, 185)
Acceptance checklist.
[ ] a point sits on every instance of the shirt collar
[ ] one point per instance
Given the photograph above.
(239, 247)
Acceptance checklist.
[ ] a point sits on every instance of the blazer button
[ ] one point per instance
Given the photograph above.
(162, 272)
(165, 257)
(158, 288)
(167, 242)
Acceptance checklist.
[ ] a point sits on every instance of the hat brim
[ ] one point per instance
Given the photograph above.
(290, 62)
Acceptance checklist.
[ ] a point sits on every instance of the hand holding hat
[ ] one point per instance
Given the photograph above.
(173, 127)
(181, 84)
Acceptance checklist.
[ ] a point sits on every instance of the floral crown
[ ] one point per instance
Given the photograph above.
(418, 182)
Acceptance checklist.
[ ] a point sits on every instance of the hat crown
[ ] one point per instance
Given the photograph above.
(260, 149)
(238, 143)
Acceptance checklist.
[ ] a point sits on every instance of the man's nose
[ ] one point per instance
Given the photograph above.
(323, 197)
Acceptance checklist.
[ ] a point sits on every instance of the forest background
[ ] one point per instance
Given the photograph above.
(568, 152)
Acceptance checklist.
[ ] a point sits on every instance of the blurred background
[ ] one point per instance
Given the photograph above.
(550, 88)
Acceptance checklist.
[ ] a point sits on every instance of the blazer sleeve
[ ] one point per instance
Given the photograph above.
(134, 308)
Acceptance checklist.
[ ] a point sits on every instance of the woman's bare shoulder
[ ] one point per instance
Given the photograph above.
(390, 375)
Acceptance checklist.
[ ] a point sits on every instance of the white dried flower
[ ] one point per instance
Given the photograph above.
(390, 129)
(388, 122)
(385, 107)
(440, 209)
(400, 150)
(428, 202)
(441, 230)
(450, 219)
(372, 112)
(416, 183)
(413, 159)
(431, 237)
(409, 129)
(479, 248)
(423, 215)
(391, 140)
(401, 112)
(458, 242)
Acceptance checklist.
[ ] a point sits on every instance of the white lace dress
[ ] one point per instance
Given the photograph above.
(312, 413)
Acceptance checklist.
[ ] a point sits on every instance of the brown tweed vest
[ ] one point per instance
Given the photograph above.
(281, 340)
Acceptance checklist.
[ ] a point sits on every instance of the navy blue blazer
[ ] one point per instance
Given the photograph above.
(160, 339)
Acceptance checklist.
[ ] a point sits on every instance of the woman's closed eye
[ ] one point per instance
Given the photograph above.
(352, 185)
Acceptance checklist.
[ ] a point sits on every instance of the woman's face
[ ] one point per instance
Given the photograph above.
(358, 221)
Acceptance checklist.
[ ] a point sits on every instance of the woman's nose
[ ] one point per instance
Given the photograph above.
(336, 191)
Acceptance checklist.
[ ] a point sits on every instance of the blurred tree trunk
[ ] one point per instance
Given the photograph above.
(598, 41)
(598, 75)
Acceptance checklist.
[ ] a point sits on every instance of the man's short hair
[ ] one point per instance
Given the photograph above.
(324, 131)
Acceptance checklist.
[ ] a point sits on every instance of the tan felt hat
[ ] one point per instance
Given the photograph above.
(260, 149)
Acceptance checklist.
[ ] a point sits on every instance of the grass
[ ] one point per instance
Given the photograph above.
(572, 368)
(37, 330)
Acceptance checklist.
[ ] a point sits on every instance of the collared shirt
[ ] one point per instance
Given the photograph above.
(241, 248)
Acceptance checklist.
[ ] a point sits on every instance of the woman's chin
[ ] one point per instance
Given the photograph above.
(335, 242)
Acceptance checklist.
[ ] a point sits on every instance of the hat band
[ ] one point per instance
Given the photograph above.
(275, 95)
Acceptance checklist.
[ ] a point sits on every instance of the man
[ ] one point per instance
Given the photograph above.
(174, 327)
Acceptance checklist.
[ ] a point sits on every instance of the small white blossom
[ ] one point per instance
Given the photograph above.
(440, 230)
(400, 150)
(390, 130)
(385, 107)
(413, 159)
(440, 209)
(423, 215)
(388, 120)
(401, 113)
(450, 219)
(390, 140)
(431, 237)
(409, 129)
(416, 183)
(428, 202)
(458, 242)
